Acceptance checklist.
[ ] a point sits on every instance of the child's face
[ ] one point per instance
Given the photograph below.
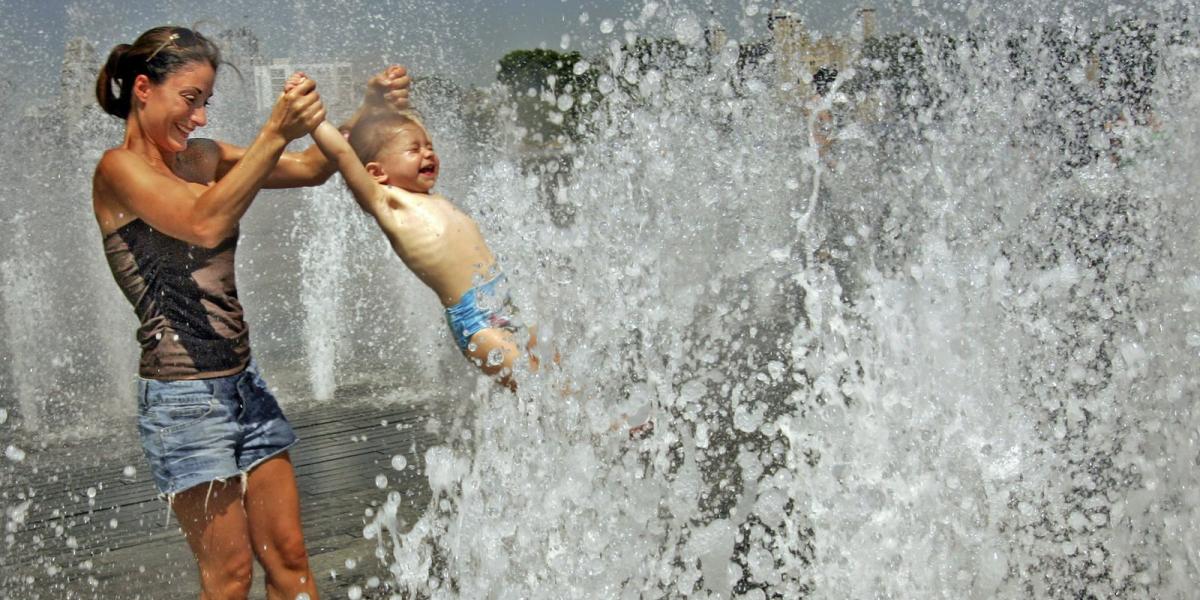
(409, 161)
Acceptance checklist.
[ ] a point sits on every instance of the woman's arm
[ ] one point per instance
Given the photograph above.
(205, 218)
(387, 90)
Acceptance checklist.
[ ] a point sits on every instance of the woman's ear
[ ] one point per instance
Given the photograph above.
(141, 88)
(376, 171)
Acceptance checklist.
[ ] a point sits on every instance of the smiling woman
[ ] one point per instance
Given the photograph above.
(168, 208)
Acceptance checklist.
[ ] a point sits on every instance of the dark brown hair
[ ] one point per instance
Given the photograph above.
(156, 54)
(371, 133)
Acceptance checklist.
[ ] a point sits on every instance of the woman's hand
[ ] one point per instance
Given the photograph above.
(299, 109)
(388, 90)
(296, 79)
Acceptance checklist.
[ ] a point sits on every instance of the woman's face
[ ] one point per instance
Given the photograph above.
(171, 110)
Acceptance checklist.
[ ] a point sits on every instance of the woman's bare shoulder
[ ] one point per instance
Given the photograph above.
(115, 163)
(198, 163)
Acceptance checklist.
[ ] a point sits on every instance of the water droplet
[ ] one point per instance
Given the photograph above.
(14, 454)
(129, 472)
(495, 357)
(565, 102)
(351, 563)
(565, 42)
(91, 492)
(381, 481)
(606, 26)
(605, 84)
(688, 30)
(580, 67)
(303, 595)
(1193, 339)
(583, 18)
(354, 593)
(399, 462)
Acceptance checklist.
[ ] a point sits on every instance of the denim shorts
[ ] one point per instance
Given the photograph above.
(201, 430)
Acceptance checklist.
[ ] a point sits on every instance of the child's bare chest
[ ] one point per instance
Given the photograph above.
(429, 227)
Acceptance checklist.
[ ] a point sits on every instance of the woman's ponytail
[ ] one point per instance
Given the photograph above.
(114, 101)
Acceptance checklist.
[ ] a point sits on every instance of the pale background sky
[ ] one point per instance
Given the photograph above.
(457, 39)
(461, 39)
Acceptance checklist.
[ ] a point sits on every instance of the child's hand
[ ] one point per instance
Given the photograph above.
(389, 89)
(296, 79)
(299, 109)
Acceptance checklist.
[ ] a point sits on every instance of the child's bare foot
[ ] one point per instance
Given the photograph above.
(640, 424)
(643, 431)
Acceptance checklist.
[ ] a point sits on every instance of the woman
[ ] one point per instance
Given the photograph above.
(168, 207)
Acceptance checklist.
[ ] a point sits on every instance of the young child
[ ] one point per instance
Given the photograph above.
(389, 164)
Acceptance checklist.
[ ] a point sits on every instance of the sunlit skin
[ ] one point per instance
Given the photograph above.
(158, 132)
(408, 160)
(176, 108)
(196, 190)
(160, 175)
(436, 240)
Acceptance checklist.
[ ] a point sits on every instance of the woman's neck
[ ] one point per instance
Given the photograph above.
(140, 143)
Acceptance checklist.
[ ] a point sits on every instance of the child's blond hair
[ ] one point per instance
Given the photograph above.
(372, 133)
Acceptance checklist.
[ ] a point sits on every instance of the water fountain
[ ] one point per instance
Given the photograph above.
(951, 357)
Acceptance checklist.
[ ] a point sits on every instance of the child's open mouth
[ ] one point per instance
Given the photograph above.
(428, 170)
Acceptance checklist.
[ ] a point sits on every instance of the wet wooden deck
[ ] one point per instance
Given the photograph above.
(93, 531)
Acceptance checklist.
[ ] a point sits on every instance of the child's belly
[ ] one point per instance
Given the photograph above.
(448, 264)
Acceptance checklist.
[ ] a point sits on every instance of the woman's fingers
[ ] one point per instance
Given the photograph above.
(302, 87)
(300, 110)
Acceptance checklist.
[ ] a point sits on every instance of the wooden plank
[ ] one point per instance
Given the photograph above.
(69, 547)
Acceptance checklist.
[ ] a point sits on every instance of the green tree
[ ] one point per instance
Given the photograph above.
(549, 90)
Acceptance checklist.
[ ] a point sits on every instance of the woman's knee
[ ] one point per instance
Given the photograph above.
(291, 553)
(230, 577)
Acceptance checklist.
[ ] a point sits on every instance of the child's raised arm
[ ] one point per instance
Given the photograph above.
(370, 195)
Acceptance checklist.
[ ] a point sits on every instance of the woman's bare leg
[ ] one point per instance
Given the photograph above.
(214, 524)
(273, 514)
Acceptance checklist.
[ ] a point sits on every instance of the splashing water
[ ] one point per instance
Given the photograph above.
(952, 356)
(948, 360)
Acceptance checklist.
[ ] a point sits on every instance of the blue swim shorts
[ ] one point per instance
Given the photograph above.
(201, 430)
(483, 306)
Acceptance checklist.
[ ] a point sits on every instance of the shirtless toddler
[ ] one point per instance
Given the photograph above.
(390, 166)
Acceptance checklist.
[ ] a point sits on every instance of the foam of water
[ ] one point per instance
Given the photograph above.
(955, 360)
(964, 374)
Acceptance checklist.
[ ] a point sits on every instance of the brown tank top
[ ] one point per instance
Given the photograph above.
(185, 296)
